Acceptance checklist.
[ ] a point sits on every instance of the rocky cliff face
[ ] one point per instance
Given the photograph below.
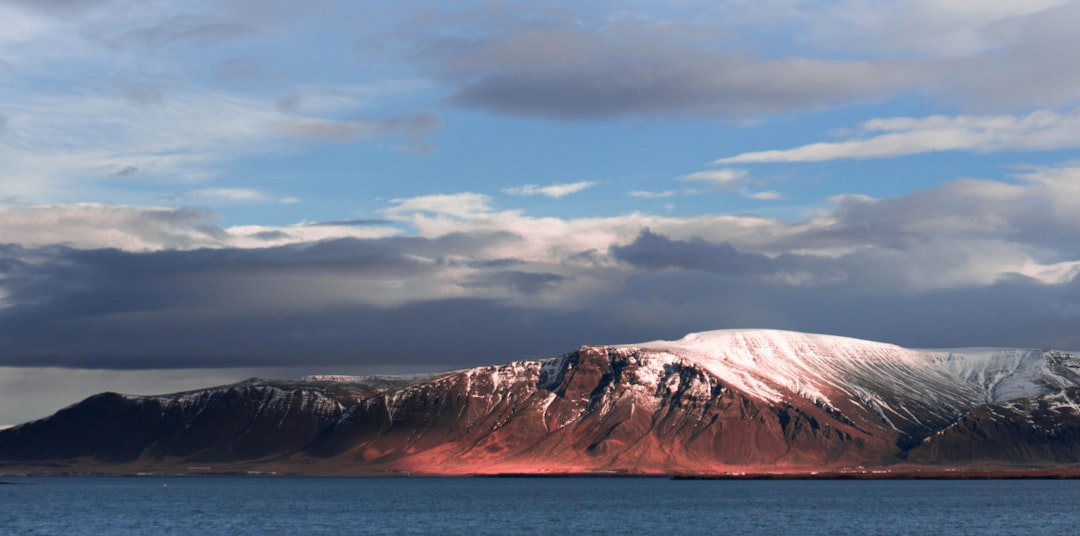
(597, 409)
(716, 402)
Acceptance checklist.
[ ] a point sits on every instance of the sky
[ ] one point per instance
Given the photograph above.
(197, 192)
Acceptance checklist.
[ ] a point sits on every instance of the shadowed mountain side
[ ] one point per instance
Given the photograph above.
(1044, 430)
(245, 421)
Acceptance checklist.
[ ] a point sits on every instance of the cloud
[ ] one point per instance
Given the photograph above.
(555, 191)
(971, 262)
(462, 205)
(61, 7)
(103, 226)
(1028, 64)
(128, 228)
(556, 65)
(916, 27)
(768, 195)
(726, 177)
(901, 136)
(59, 139)
(218, 195)
(195, 30)
(348, 223)
(746, 60)
(643, 194)
(523, 282)
(415, 128)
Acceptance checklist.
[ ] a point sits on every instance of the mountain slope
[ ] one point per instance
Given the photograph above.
(713, 402)
(597, 409)
(244, 421)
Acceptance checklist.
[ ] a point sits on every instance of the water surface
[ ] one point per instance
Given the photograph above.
(236, 505)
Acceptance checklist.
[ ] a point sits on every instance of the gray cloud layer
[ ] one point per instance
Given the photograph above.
(968, 263)
(743, 62)
(570, 73)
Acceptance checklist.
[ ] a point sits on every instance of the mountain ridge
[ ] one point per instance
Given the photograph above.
(716, 402)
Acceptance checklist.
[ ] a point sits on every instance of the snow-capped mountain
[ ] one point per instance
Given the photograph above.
(713, 402)
(912, 391)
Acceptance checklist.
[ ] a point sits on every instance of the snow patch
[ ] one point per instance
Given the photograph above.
(897, 384)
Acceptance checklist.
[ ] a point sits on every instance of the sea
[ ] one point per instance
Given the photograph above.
(512, 505)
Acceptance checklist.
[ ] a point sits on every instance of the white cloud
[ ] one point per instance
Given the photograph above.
(728, 180)
(900, 136)
(554, 190)
(1026, 227)
(289, 200)
(56, 142)
(461, 205)
(219, 195)
(1003, 229)
(643, 194)
(725, 177)
(90, 226)
(768, 195)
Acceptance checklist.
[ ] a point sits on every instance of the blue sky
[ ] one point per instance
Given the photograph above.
(213, 189)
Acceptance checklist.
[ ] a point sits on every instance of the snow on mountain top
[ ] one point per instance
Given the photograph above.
(767, 363)
(1009, 373)
(331, 378)
(342, 378)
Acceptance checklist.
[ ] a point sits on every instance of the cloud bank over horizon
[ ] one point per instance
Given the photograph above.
(972, 262)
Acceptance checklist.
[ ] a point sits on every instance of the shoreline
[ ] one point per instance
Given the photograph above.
(908, 474)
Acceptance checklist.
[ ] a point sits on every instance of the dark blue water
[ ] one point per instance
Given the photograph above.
(534, 506)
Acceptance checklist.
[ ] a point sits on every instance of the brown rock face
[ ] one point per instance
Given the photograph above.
(597, 409)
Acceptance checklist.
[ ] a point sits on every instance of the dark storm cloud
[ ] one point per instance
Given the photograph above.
(1013, 312)
(868, 293)
(558, 68)
(436, 335)
(523, 282)
(113, 309)
(109, 281)
(655, 252)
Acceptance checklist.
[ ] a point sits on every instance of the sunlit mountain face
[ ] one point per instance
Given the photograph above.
(711, 403)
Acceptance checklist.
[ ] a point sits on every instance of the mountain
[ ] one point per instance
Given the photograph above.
(249, 420)
(729, 401)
